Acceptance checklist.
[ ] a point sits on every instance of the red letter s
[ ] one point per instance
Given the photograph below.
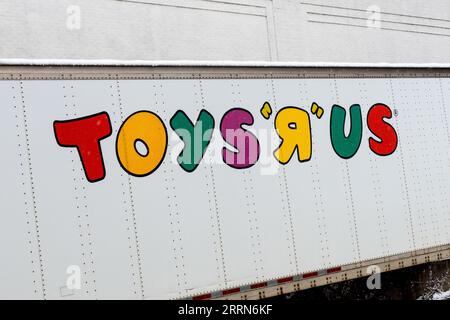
(386, 134)
(85, 134)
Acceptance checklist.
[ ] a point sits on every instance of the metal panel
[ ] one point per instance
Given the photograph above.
(56, 200)
(21, 269)
(195, 220)
(268, 219)
(108, 234)
(175, 234)
(383, 178)
(424, 131)
(234, 207)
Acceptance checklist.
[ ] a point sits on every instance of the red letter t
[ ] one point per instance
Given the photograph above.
(85, 134)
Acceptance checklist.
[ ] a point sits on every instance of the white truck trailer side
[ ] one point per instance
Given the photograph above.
(351, 169)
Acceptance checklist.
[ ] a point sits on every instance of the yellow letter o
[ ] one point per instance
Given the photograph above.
(149, 129)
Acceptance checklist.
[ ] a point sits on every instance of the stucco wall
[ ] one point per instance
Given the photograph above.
(407, 31)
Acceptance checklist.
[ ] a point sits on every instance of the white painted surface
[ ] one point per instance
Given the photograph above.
(174, 234)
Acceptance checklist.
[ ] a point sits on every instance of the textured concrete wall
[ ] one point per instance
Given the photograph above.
(415, 31)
